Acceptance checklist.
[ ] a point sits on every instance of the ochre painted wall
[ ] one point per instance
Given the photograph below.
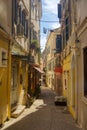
(67, 84)
(4, 85)
(66, 67)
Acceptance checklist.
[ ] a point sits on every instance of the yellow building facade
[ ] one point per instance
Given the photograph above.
(67, 18)
(69, 83)
(53, 64)
(13, 62)
(73, 19)
(15, 41)
(19, 55)
(4, 77)
(5, 60)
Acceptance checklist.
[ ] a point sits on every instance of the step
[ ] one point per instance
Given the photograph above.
(18, 111)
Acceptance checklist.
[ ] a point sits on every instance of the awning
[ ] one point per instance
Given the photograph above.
(39, 70)
(22, 57)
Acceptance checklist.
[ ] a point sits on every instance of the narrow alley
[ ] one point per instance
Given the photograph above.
(43, 43)
(43, 115)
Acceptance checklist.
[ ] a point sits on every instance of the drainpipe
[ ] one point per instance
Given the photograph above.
(9, 79)
(29, 35)
(76, 89)
(76, 84)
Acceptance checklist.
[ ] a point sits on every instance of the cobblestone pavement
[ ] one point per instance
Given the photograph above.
(43, 115)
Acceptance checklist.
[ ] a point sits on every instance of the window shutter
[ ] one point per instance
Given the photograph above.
(67, 29)
(26, 28)
(23, 18)
(59, 11)
(16, 11)
(13, 15)
(20, 14)
(58, 43)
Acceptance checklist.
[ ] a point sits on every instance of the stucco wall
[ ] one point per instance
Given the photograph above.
(5, 15)
(3, 86)
(82, 108)
(81, 10)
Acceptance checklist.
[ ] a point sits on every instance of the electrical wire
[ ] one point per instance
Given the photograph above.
(45, 21)
(49, 21)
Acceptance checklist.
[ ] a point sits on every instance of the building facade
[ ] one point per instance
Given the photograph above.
(53, 62)
(50, 61)
(81, 62)
(5, 63)
(19, 52)
(34, 65)
(72, 16)
(68, 32)
(15, 49)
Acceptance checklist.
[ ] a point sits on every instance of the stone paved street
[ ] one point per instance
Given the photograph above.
(43, 115)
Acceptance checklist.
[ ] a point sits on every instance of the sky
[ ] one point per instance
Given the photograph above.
(49, 14)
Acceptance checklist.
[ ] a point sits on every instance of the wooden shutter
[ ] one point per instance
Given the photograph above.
(67, 29)
(59, 11)
(58, 43)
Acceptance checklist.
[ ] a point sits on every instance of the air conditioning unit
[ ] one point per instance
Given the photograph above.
(20, 30)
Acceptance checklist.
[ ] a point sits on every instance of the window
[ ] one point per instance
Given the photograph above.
(67, 29)
(32, 5)
(26, 28)
(63, 39)
(23, 17)
(70, 22)
(36, 12)
(58, 43)
(59, 11)
(4, 60)
(3, 57)
(85, 71)
(14, 13)
(19, 15)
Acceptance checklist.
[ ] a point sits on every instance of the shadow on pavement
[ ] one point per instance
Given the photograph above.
(44, 115)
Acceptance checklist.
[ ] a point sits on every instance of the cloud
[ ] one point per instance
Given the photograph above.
(50, 6)
(55, 25)
(50, 13)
